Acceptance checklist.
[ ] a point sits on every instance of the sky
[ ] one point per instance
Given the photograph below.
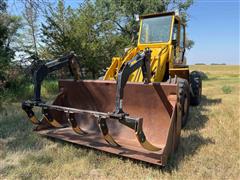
(213, 26)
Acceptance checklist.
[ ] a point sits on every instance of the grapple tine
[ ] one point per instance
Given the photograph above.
(147, 145)
(73, 122)
(104, 129)
(136, 124)
(51, 120)
(30, 113)
(142, 138)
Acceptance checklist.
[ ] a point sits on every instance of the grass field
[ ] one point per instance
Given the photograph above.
(209, 147)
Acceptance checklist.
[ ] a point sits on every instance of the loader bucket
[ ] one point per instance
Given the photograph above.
(156, 103)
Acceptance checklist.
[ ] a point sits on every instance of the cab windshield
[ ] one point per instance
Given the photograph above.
(155, 30)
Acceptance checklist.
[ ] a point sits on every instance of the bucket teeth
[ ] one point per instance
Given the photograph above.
(74, 124)
(104, 129)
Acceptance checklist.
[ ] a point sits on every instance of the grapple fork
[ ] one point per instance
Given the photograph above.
(104, 129)
(86, 116)
(72, 121)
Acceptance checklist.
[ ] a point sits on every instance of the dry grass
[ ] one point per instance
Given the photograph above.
(209, 147)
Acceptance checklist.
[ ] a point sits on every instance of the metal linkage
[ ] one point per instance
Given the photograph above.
(142, 59)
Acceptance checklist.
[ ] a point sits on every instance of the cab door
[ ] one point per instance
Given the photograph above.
(179, 43)
(182, 45)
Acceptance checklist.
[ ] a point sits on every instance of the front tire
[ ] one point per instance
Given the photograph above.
(184, 99)
(196, 88)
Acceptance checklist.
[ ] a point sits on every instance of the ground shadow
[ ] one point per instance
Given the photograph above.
(197, 114)
(190, 144)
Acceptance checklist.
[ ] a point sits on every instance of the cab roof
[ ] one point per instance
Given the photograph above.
(157, 15)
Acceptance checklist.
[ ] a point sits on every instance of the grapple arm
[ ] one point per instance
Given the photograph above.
(142, 60)
(51, 66)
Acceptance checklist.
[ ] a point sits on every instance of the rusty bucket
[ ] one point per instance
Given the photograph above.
(155, 103)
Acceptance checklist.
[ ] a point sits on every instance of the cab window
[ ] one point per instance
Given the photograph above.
(156, 30)
(182, 36)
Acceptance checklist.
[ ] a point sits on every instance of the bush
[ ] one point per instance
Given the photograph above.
(226, 89)
(17, 88)
(49, 87)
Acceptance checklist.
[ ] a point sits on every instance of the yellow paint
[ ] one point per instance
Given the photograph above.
(162, 53)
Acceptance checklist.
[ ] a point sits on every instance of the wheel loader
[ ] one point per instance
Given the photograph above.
(138, 108)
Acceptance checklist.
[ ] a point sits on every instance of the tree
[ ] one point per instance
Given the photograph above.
(98, 30)
(30, 40)
(30, 16)
(8, 29)
(79, 30)
(95, 40)
(123, 13)
(55, 30)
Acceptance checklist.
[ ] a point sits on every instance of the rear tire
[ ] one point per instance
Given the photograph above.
(196, 88)
(184, 99)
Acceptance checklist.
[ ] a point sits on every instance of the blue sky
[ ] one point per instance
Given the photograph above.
(213, 25)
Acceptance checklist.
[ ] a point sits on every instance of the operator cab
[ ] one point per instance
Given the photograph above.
(164, 29)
